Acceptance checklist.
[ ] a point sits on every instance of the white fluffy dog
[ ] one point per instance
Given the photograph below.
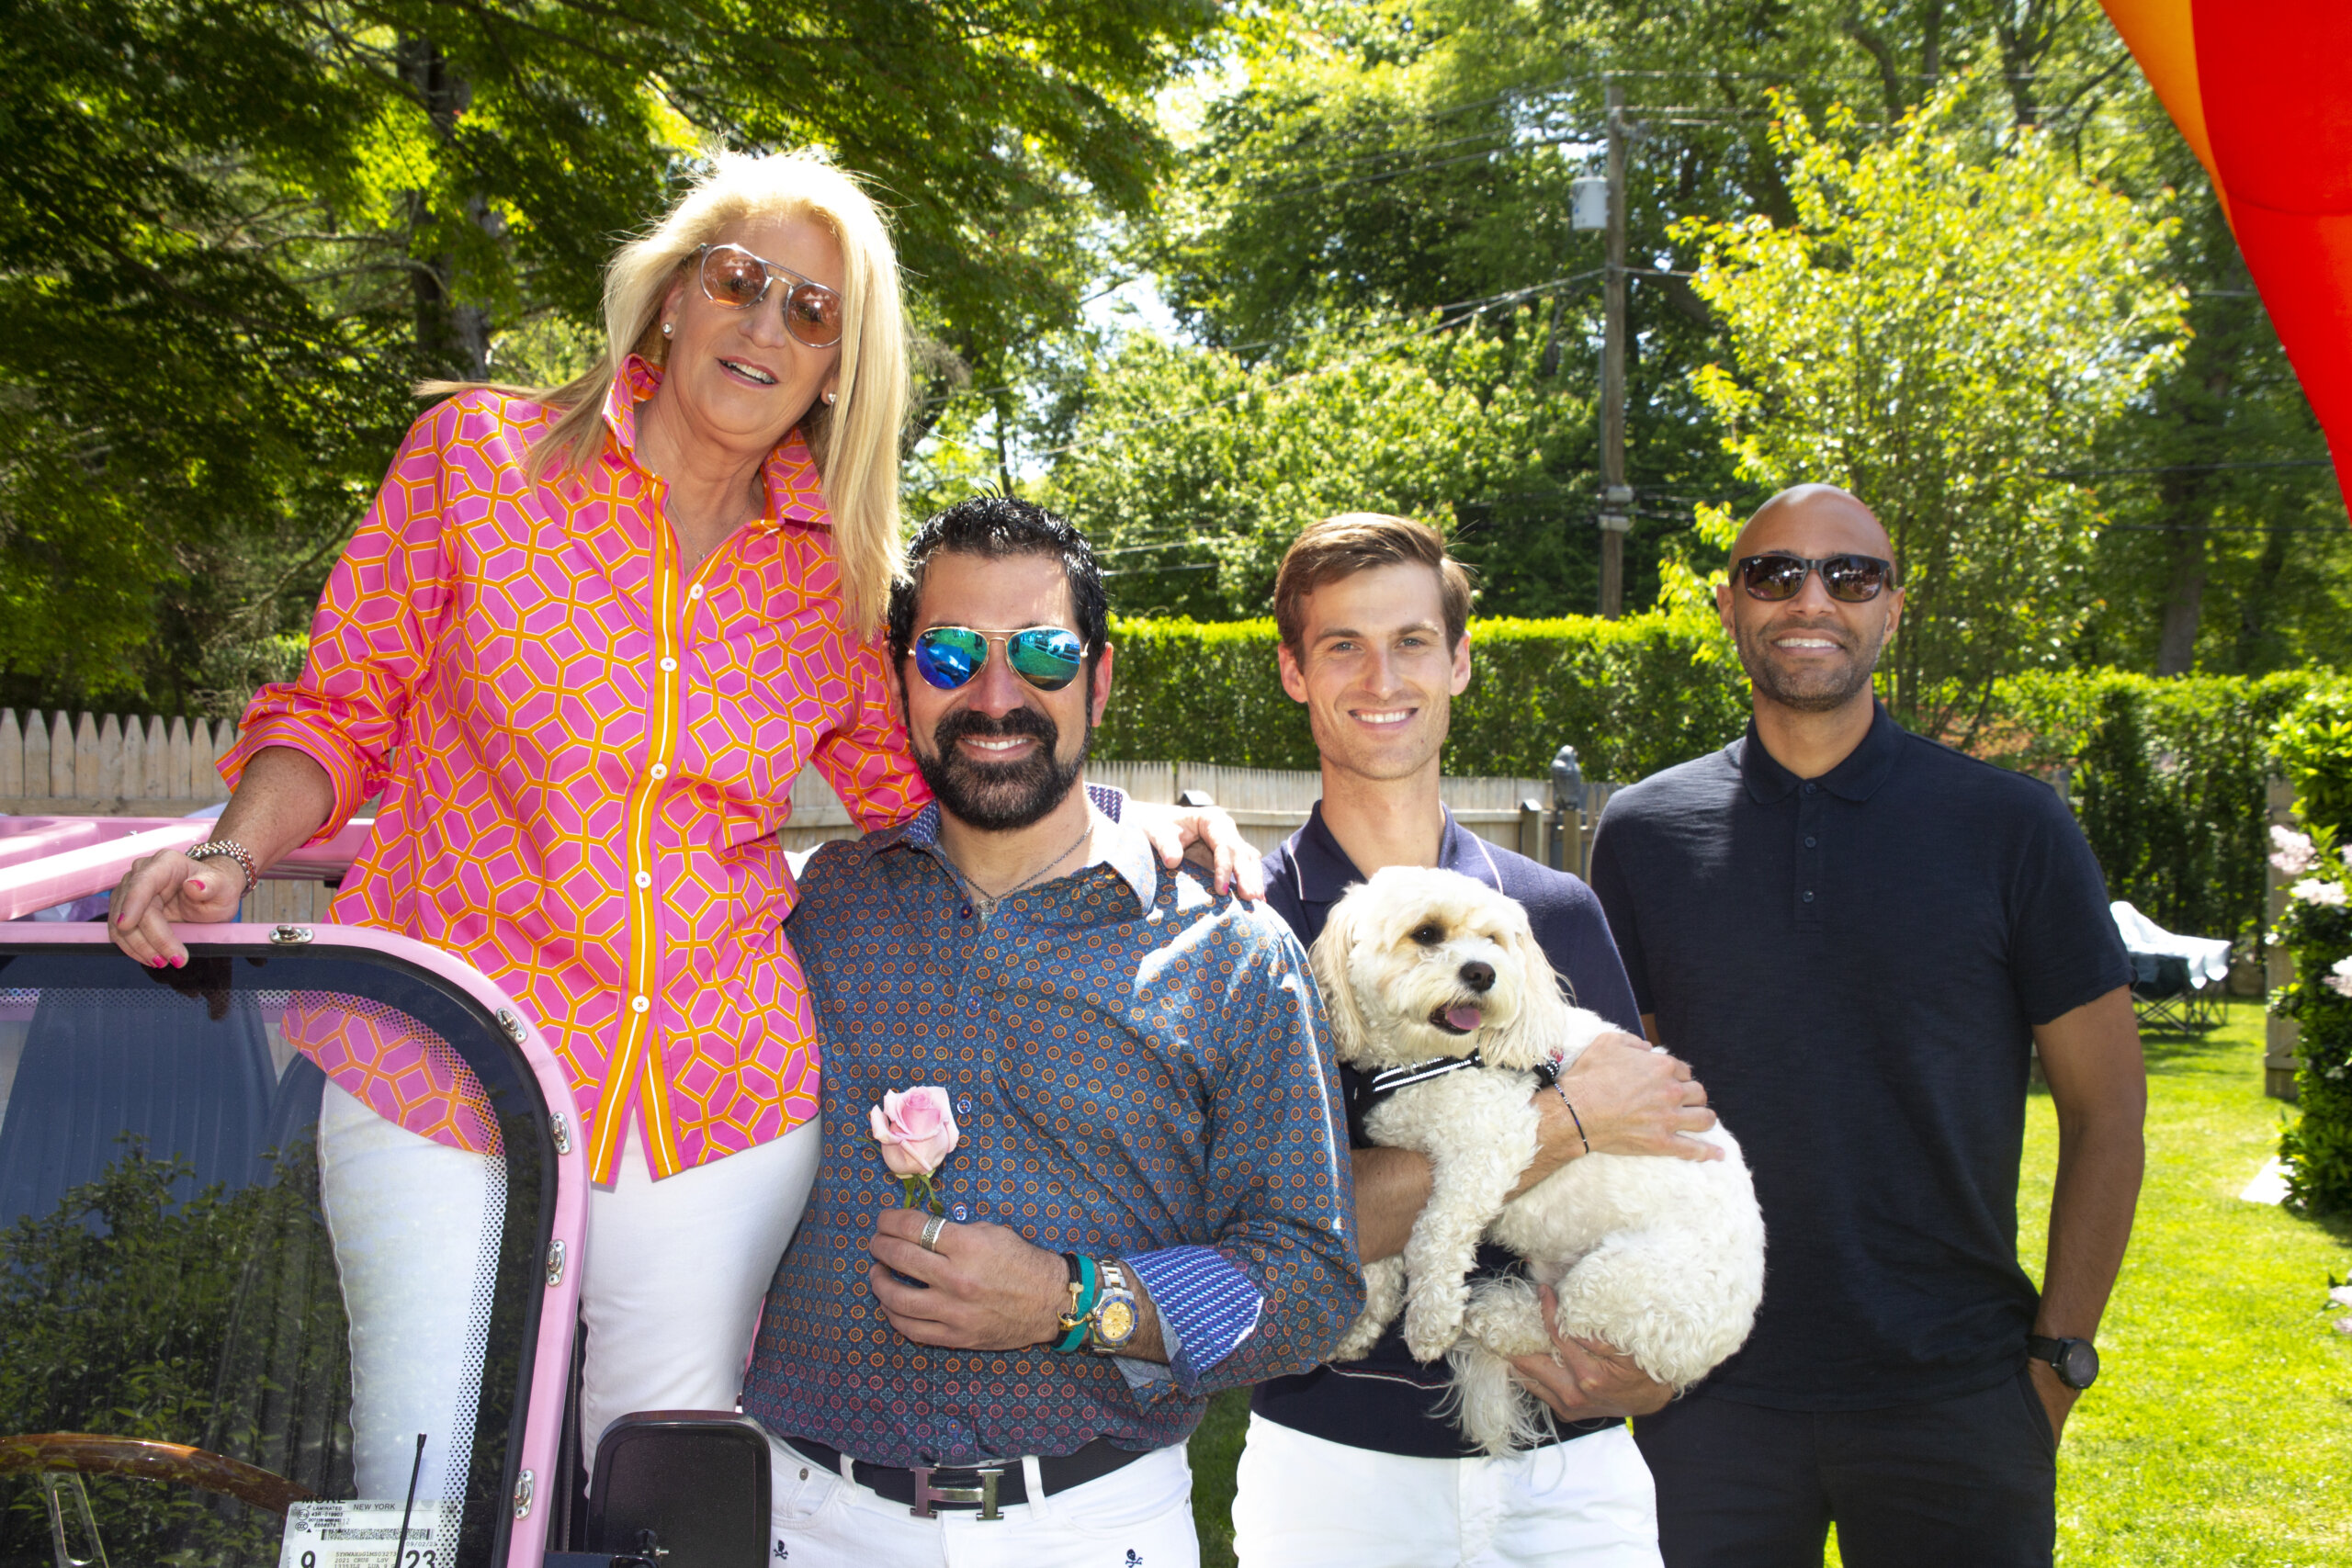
(1661, 1258)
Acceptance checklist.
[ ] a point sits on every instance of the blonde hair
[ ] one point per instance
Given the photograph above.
(855, 441)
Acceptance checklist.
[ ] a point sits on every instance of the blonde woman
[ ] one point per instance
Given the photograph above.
(579, 647)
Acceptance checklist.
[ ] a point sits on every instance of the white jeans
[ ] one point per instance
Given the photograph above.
(1301, 1502)
(1139, 1516)
(417, 1226)
(676, 1272)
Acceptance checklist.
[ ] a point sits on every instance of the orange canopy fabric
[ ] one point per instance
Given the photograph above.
(2262, 90)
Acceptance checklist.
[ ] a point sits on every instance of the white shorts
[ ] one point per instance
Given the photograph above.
(1301, 1502)
(1139, 1516)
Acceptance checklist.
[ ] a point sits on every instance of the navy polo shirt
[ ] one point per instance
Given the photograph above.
(1388, 1402)
(1854, 965)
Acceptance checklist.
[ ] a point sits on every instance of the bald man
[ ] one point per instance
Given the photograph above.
(1856, 938)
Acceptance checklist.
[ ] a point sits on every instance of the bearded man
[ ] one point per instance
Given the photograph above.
(1858, 939)
(1142, 1199)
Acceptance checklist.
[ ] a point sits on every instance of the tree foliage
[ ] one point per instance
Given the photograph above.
(1197, 467)
(237, 229)
(118, 1310)
(1399, 156)
(1939, 333)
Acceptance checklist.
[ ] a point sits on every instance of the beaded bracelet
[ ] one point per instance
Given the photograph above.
(1573, 1117)
(216, 848)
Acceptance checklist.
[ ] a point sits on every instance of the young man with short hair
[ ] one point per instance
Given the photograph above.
(1862, 938)
(1147, 1203)
(1353, 1464)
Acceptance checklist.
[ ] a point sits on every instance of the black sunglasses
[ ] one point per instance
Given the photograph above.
(1850, 580)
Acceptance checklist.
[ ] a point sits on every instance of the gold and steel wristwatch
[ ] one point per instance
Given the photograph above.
(1114, 1318)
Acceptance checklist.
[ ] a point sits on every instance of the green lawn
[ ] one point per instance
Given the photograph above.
(2219, 1435)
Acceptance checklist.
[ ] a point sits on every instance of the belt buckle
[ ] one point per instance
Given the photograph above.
(984, 1493)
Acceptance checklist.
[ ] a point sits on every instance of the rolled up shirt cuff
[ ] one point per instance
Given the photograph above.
(345, 772)
(1207, 1307)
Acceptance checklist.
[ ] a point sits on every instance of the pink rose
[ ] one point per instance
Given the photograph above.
(916, 1130)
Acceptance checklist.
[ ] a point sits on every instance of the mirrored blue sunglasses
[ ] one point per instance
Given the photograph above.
(1045, 656)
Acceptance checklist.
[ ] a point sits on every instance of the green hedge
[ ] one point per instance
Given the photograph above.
(2315, 747)
(2167, 775)
(1633, 696)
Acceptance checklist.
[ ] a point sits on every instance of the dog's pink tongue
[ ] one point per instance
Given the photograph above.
(1464, 1018)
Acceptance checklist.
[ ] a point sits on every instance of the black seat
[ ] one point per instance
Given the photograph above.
(186, 1078)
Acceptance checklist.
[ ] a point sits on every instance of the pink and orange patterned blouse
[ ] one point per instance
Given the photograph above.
(583, 754)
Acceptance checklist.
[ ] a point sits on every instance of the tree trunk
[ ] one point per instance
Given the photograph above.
(2026, 35)
(2255, 633)
(455, 337)
(2184, 601)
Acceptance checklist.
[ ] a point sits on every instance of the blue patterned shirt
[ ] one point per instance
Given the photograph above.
(1139, 1068)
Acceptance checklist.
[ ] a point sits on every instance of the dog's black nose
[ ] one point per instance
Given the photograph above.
(1479, 978)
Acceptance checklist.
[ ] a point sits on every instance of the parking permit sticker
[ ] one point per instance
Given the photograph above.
(363, 1534)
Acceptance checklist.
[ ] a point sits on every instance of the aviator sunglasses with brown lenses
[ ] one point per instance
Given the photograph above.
(1850, 580)
(736, 279)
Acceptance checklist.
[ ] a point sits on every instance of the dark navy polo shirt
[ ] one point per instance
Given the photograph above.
(1388, 1400)
(1854, 965)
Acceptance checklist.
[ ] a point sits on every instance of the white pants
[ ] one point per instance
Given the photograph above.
(1301, 1502)
(676, 1272)
(1139, 1516)
(416, 1227)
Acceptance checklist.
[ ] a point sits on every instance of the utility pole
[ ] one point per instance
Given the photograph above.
(1616, 496)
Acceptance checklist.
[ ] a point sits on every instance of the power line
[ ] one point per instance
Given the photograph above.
(1158, 571)
(1479, 308)
(1514, 144)
(2190, 467)
(2222, 528)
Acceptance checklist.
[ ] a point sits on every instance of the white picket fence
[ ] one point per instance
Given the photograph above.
(113, 765)
(109, 765)
(1270, 804)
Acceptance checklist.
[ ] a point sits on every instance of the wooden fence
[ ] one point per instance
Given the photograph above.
(1271, 804)
(109, 766)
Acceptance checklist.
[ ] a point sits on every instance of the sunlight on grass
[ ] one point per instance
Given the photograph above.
(2219, 1435)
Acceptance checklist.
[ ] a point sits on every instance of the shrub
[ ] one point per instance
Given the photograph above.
(2166, 774)
(1633, 696)
(2314, 746)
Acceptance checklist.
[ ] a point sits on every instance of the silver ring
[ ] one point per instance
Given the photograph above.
(931, 1229)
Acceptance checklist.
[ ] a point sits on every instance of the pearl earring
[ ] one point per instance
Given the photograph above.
(829, 400)
(667, 329)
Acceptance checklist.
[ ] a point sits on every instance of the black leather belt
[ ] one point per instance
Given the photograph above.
(985, 1486)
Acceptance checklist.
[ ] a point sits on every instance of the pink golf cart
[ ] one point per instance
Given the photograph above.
(250, 1316)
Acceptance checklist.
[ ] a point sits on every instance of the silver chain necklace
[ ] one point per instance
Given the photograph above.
(985, 904)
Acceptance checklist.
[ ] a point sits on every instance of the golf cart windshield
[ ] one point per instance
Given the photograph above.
(275, 1233)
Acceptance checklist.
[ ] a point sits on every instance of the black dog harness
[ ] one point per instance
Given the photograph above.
(1362, 1092)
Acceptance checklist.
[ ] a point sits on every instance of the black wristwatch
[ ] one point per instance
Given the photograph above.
(2075, 1361)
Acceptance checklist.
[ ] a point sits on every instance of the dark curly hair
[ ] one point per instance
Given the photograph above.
(997, 527)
